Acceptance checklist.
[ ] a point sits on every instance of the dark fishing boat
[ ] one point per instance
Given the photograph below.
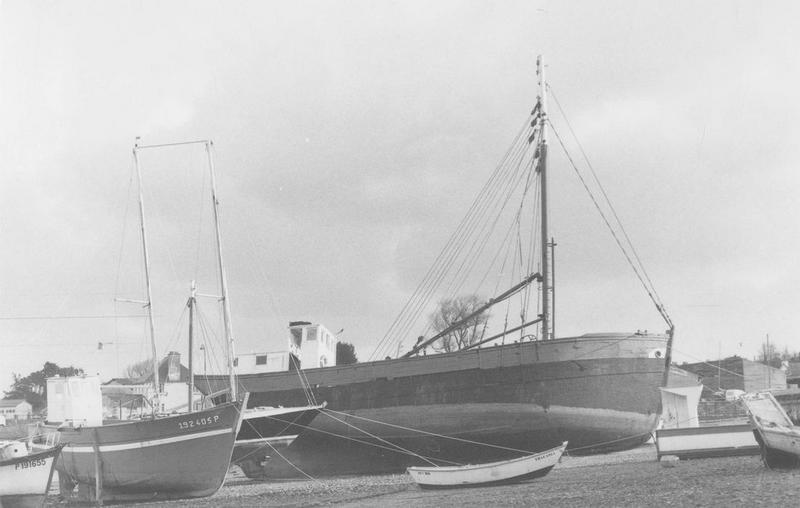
(154, 457)
(530, 393)
(265, 431)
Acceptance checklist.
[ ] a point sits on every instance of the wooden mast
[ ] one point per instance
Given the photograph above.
(149, 302)
(191, 304)
(543, 186)
(226, 310)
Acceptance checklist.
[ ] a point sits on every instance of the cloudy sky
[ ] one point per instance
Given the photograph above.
(352, 136)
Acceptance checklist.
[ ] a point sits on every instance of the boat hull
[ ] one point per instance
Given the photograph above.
(180, 456)
(599, 392)
(704, 442)
(267, 430)
(777, 437)
(24, 481)
(490, 474)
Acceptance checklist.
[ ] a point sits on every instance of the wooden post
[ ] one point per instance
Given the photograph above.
(98, 471)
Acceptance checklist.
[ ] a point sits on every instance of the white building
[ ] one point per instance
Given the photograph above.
(15, 409)
(311, 346)
(74, 399)
(128, 395)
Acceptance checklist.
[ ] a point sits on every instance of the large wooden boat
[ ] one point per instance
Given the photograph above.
(25, 477)
(489, 400)
(599, 392)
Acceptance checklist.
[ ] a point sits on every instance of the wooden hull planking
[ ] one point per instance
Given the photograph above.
(179, 456)
(598, 392)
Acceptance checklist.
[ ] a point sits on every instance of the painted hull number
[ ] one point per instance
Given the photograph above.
(30, 463)
(200, 422)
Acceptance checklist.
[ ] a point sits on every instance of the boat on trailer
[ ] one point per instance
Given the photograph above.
(777, 436)
(25, 477)
(503, 472)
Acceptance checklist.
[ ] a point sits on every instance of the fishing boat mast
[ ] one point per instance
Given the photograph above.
(191, 304)
(542, 168)
(148, 304)
(226, 309)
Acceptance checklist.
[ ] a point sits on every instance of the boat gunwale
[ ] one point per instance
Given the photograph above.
(473, 467)
(43, 454)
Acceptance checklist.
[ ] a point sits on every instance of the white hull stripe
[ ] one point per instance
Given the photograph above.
(146, 444)
(266, 439)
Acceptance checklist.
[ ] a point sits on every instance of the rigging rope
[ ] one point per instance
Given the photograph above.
(649, 286)
(633, 266)
(481, 211)
(433, 277)
(483, 232)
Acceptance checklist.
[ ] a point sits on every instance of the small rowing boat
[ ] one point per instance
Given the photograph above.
(25, 477)
(776, 434)
(503, 472)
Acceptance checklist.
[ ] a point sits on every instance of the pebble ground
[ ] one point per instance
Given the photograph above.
(632, 478)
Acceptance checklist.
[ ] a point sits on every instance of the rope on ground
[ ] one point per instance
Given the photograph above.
(295, 466)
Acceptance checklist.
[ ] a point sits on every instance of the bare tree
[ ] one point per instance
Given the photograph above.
(455, 310)
(139, 369)
(770, 354)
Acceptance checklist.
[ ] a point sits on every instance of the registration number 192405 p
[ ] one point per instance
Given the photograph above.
(199, 422)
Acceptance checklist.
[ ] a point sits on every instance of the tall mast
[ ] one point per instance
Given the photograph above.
(543, 186)
(226, 310)
(192, 302)
(149, 301)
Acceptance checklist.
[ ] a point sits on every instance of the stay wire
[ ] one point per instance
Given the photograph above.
(481, 228)
(391, 335)
(461, 236)
(633, 266)
(659, 301)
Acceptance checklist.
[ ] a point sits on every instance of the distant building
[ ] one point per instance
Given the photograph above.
(122, 395)
(74, 399)
(15, 409)
(736, 373)
(310, 346)
(793, 373)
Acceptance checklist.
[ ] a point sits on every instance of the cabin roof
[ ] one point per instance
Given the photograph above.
(11, 402)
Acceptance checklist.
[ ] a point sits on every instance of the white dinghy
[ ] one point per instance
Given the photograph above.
(25, 477)
(777, 436)
(492, 473)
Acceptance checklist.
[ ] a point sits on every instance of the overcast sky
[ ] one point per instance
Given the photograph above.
(352, 136)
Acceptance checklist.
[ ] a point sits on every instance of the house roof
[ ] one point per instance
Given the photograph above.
(170, 364)
(11, 402)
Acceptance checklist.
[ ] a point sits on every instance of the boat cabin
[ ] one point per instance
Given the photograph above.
(74, 400)
(310, 346)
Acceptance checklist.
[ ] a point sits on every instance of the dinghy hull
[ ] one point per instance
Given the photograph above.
(490, 474)
(25, 480)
